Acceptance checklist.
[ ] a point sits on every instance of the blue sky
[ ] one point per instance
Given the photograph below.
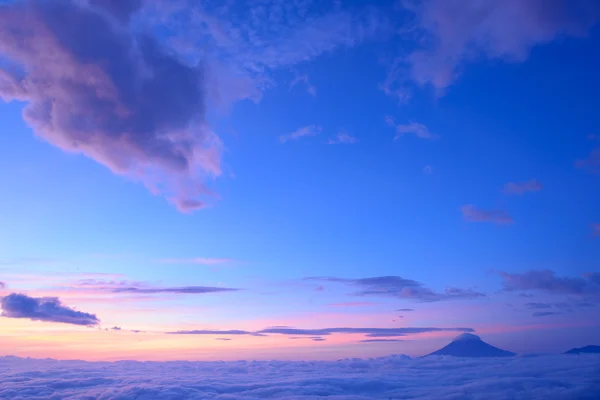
(351, 140)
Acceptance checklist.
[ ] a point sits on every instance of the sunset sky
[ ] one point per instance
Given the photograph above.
(297, 179)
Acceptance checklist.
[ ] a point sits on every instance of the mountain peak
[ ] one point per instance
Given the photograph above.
(466, 337)
(469, 345)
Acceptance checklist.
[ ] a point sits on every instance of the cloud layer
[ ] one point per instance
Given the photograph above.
(394, 377)
(48, 309)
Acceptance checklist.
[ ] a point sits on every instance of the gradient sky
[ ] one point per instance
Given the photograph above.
(219, 170)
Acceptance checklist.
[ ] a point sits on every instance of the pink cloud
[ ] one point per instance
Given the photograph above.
(522, 187)
(472, 214)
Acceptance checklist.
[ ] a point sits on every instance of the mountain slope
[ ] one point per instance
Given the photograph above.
(469, 345)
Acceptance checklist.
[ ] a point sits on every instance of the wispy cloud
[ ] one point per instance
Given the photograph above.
(412, 128)
(395, 286)
(369, 332)
(197, 260)
(473, 214)
(310, 130)
(353, 304)
(234, 332)
(547, 281)
(343, 138)
(310, 89)
(48, 309)
(177, 290)
(457, 32)
(591, 163)
(405, 309)
(522, 187)
(544, 313)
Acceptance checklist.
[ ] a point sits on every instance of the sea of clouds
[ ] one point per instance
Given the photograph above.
(395, 377)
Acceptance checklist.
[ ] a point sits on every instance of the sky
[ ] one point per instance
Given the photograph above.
(208, 180)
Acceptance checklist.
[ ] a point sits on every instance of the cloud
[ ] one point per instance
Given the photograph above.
(544, 313)
(223, 339)
(369, 332)
(412, 128)
(455, 32)
(547, 281)
(405, 309)
(537, 306)
(197, 260)
(343, 138)
(120, 9)
(380, 340)
(313, 338)
(2, 285)
(48, 309)
(92, 87)
(212, 332)
(522, 187)
(560, 376)
(353, 304)
(310, 89)
(310, 130)
(592, 163)
(179, 290)
(319, 288)
(396, 286)
(472, 214)
(116, 328)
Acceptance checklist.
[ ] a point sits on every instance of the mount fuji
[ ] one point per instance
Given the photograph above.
(469, 345)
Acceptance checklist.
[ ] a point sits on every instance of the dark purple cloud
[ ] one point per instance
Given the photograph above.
(116, 328)
(396, 286)
(537, 306)
(544, 313)
(522, 187)
(459, 31)
(182, 290)
(547, 281)
(93, 87)
(370, 332)
(48, 309)
(405, 309)
(473, 214)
